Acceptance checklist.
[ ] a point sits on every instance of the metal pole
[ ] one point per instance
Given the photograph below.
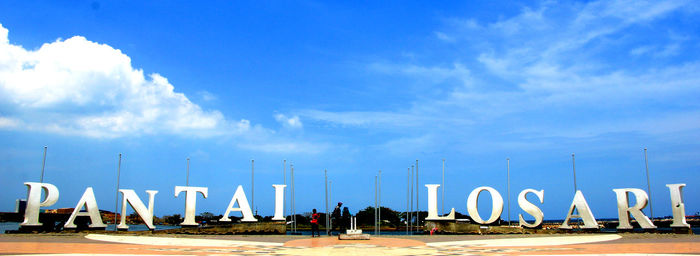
(412, 213)
(294, 210)
(116, 203)
(330, 196)
(187, 177)
(328, 231)
(417, 198)
(375, 204)
(443, 186)
(573, 159)
(379, 226)
(284, 181)
(252, 184)
(408, 185)
(291, 197)
(508, 190)
(43, 164)
(646, 163)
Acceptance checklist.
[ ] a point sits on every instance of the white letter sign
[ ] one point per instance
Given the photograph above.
(243, 207)
(91, 210)
(190, 202)
(530, 208)
(279, 202)
(432, 205)
(678, 206)
(584, 211)
(624, 210)
(146, 214)
(31, 214)
(473, 201)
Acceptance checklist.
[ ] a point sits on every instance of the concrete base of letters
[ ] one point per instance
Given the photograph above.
(353, 237)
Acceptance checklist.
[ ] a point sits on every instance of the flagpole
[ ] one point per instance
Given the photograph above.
(328, 231)
(252, 183)
(43, 164)
(411, 226)
(116, 201)
(293, 192)
(408, 185)
(417, 200)
(443, 185)
(375, 204)
(508, 190)
(646, 163)
(284, 181)
(573, 159)
(379, 229)
(330, 197)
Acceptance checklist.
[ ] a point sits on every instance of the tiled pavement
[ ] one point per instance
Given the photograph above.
(149, 245)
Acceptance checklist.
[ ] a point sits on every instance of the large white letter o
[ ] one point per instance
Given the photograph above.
(473, 201)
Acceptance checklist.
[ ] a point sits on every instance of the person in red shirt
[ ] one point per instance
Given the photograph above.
(314, 223)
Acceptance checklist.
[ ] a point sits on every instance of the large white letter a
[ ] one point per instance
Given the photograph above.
(243, 207)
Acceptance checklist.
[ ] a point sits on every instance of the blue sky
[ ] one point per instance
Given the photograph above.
(352, 88)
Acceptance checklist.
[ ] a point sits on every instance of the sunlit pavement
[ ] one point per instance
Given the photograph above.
(93, 244)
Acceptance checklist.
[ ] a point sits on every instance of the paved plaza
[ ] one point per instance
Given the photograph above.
(590, 244)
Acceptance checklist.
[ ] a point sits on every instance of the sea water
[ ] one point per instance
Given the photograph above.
(136, 227)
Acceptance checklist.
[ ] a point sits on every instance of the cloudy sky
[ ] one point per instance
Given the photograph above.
(354, 89)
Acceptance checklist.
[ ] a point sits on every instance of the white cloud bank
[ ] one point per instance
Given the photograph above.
(556, 70)
(292, 122)
(543, 60)
(79, 87)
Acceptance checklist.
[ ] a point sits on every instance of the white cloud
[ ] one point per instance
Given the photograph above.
(83, 88)
(433, 74)
(444, 37)
(658, 125)
(287, 147)
(430, 116)
(403, 146)
(4, 39)
(207, 96)
(289, 122)
(547, 67)
(557, 34)
(550, 56)
(8, 123)
(356, 118)
(79, 87)
(669, 50)
(641, 50)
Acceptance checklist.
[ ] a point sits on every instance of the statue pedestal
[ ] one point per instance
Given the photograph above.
(353, 233)
(353, 236)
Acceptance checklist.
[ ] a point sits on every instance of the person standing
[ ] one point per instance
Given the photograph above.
(345, 223)
(336, 217)
(314, 223)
